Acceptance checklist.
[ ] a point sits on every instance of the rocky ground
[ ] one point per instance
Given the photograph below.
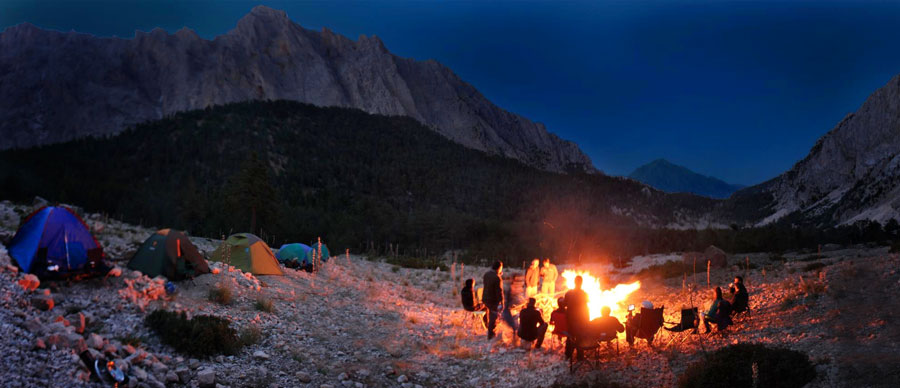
(360, 323)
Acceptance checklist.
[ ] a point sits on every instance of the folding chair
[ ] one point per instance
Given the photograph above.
(648, 324)
(587, 347)
(477, 319)
(690, 320)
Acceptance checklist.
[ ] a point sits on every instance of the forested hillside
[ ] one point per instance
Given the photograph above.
(292, 172)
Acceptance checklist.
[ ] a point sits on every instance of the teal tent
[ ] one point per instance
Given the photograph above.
(289, 252)
(313, 248)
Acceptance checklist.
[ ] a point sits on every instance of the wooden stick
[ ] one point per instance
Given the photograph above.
(708, 265)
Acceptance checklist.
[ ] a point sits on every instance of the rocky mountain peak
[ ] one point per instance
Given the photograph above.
(99, 86)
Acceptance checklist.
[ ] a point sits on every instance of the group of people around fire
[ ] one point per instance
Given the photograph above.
(515, 303)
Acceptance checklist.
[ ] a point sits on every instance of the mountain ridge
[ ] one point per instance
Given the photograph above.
(672, 178)
(57, 86)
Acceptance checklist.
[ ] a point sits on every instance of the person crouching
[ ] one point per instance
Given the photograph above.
(531, 324)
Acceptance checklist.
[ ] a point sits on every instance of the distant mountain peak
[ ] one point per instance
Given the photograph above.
(58, 87)
(670, 177)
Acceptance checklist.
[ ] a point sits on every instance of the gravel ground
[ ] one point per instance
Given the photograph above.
(360, 323)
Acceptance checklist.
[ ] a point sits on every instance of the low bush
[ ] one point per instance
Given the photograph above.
(733, 367)
(669, 269)
(220, 294)
(417, 262)
(202, 336)
(595, 382)
(265, 305)
(250, 335)
(814, 266)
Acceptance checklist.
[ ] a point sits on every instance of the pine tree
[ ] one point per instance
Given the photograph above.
(251, 196)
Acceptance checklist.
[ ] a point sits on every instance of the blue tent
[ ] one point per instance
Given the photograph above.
(54, 242)
(289, 252)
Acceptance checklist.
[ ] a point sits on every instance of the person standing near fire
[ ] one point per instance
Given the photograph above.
(492, 296)
(577, 315)
(532, 276)
(549, 274)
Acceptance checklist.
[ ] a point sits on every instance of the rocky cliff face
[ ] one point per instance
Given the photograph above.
(851, 174)
(60, 86)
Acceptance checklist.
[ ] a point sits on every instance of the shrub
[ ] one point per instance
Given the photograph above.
(202, 336)
(814, 266)
(265, 305)
(669, 269)
(250, 335)
(732, 367)
(131, 339)
(596, 382)
(220, 294)
(895, 247)
(417, 263)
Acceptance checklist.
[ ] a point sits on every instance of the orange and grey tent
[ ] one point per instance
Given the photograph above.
(169, 253)
(248, 253)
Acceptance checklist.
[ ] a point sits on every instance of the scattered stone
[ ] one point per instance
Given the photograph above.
(138, 373)
(343, 376)
(261, 355)
(206, 377)
(402, 379)
(95, 341)
(194, 363)
(29, 282)
(184, 374)
(42, 302)
(303, 377)
(172, 377)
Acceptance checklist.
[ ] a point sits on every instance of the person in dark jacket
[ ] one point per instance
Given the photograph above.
(558, 319)
(469, 301)
(740, 299)
(493, 295)
(606, 326)
(531, 324)
(577, 315)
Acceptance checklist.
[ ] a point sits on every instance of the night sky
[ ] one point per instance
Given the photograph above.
(737, 90)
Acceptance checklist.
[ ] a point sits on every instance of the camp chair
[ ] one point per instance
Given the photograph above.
(477, 318)
(589, 347)
(648, 324)
(690, 319)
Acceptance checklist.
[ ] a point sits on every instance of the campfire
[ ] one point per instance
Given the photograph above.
(597, 296)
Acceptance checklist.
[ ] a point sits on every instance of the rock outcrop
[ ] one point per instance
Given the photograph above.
(851, 174)
(57, 86)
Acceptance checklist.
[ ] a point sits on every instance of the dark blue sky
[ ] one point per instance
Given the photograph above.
(738, 90)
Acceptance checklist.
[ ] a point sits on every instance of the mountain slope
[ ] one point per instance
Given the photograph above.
(673, 178)
(58, 86)
(851, 174)
(348, 176)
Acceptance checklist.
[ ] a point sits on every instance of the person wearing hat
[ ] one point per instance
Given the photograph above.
(632, 323)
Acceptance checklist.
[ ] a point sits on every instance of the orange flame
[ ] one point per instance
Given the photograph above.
(597, 296)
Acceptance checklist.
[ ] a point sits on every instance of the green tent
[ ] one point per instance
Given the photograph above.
(248, 253)
(169, 253)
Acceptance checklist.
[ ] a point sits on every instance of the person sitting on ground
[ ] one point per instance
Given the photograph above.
(531, 324)
(469, 301)
(558, 319)
(549, 274)
(719, 312)
(577, 316)
(633, 322)
(606, 327)
(740, 299)
(532, 275)
(493, 295)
